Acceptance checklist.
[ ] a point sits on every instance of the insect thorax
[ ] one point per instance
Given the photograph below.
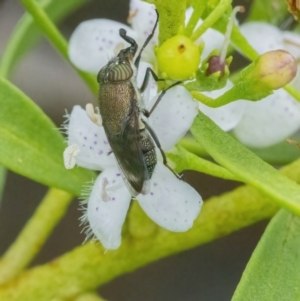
(117, 94)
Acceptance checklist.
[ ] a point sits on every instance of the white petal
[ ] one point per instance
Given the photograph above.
(90, 139)
(171, 203)
(188, 13)
(96, 41)
(269, 121)
(213, 39)
(271, 38)
(228, 116)
(263, 36)
(173, 116)
(142, 21)
(291, 43)
(107, 208)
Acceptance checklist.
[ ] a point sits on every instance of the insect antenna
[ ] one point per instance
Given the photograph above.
(137, 60)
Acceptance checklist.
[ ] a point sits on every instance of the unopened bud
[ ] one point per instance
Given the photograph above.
(215, 65)
(273, 69)
(178, 58)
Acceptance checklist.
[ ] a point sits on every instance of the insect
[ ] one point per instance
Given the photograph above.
(122, 109)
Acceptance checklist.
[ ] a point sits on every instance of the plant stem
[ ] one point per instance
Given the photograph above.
(292, 91)
(34, 234)
(56, 38)
(214, 16)
(184, 160)
(2, 181)
(240, 42)
(199, 8)
(89, 266)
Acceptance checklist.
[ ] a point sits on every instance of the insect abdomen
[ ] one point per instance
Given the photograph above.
(148, 150)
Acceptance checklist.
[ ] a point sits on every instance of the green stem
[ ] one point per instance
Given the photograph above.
(89, 266)
(213, 103)
(56, 38)
(34, 234)
(185, 160)
(292, 91)
(26, 33)
(199, 8)
(240, 42)
(214, 16)
(2, 181)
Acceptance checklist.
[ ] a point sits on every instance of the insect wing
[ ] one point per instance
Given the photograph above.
(127, 149)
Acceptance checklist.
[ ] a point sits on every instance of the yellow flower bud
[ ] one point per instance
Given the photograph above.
(178, 58)
(274, 69)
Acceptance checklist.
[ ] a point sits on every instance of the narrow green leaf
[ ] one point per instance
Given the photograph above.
(279, 154)
(27, 33)
(271, 11)
(31, 145)
(245, 165)
(272, 273)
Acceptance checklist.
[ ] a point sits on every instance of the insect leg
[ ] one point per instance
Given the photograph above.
(146, 79)
(148, 113)
(155, 138)
(138, 58)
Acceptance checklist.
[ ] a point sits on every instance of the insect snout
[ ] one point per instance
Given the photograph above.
(133, 48)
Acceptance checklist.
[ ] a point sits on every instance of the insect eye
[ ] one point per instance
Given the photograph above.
(120, 72)
(101, 75)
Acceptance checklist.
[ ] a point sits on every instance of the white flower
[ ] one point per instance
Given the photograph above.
(96, 41)
(272, 119)
(171, 203)
(226, 117)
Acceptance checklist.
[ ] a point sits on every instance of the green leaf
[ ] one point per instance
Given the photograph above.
(244, 164)
(279, 154)
(27, 33)
(272, 273)
(31, 145)
(271, 11)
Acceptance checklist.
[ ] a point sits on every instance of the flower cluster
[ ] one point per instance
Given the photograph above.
(171, 203)
(257, 124)
(272, 119)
